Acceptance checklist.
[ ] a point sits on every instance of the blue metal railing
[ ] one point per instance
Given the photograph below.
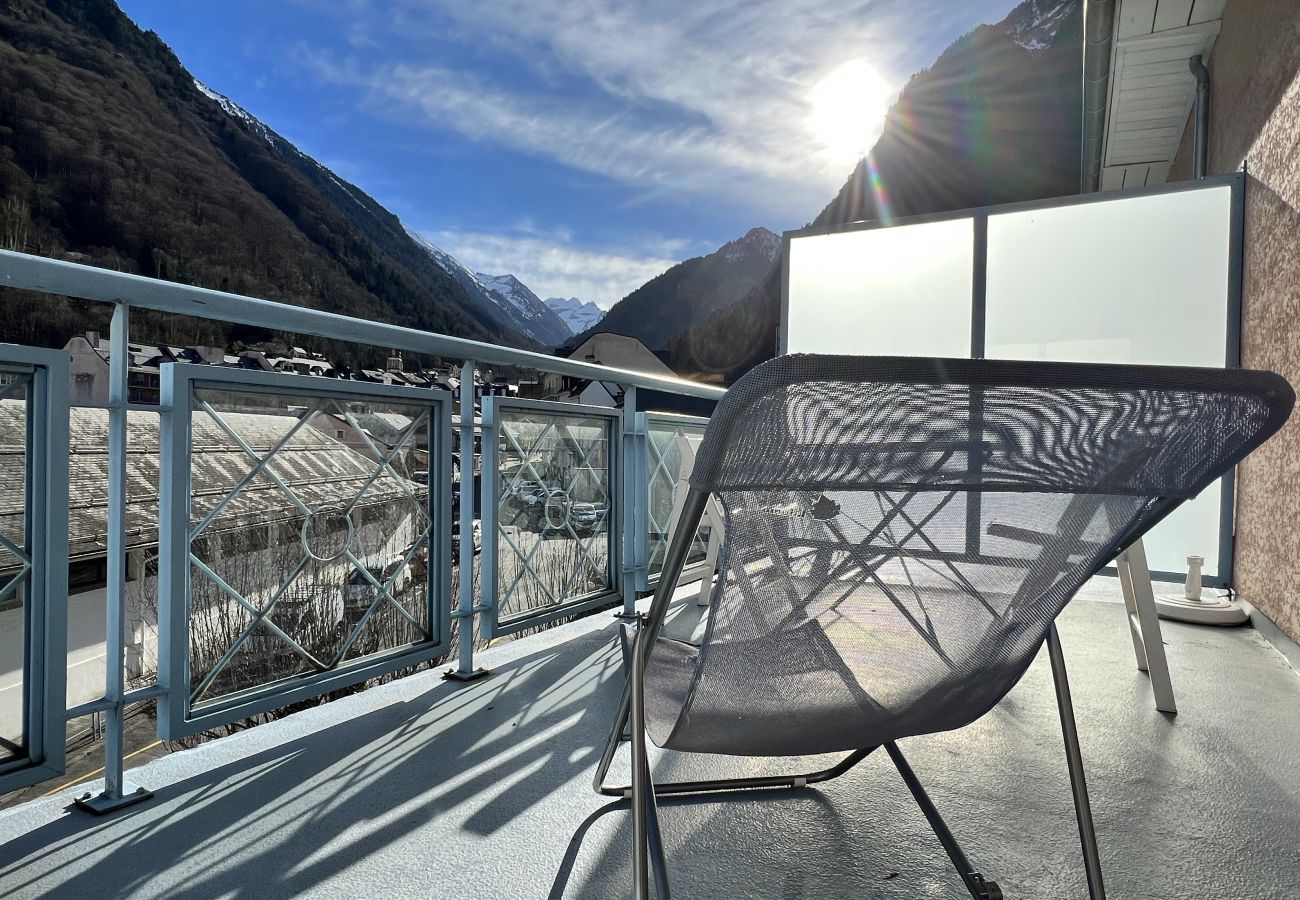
(625, 512)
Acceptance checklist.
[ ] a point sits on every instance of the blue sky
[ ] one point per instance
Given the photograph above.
(583, 145)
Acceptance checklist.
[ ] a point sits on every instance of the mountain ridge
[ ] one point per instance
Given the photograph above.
(536, 318)
(381, 225)
(111, 153)
(655, 312)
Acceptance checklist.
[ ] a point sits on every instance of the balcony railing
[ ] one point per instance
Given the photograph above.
(261, 538)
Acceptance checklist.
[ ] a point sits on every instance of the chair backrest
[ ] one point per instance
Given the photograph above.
(901, 532)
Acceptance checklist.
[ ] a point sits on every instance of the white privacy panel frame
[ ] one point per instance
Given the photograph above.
(1159, 284)
(904, 290)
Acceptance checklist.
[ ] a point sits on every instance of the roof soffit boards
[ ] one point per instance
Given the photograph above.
(1151, 88)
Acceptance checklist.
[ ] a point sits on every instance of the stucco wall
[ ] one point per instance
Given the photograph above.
(1268, 539)
(1255, 120)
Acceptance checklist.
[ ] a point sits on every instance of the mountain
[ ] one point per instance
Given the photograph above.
(510, 301)
(382, 227)
(655, 312)
(578, 316)
(995, 119)
(535, 318)
(111, 154)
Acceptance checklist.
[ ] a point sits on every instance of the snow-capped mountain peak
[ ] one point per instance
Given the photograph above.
(577, 315)
(1033, 25)
(513, 291)
(451, 264)
(273, 140)
(518, 305)
(757, 241)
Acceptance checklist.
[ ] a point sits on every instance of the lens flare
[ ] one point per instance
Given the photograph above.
(884, 211)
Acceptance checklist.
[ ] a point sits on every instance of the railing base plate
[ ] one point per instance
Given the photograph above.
(458, 675)
(102, 804)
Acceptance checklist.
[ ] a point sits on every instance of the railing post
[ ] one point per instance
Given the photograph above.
(465, 612)
(641, 528)
(631, 470)
(117, 792)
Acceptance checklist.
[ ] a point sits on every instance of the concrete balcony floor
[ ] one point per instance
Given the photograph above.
(425, 788)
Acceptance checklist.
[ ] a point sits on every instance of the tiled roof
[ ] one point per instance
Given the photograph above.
(386, 427)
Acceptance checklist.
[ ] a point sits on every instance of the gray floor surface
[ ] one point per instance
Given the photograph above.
(425, 788)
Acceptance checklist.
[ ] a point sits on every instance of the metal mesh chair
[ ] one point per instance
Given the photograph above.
(901, 534)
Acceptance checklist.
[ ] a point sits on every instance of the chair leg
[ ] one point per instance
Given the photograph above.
(979, 888)
(1143, 618)
(647, 839)
(1074, 759)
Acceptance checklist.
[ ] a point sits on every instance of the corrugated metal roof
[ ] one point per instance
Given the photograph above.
(319, 470)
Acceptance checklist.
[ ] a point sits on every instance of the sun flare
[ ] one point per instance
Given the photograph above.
(848, 108)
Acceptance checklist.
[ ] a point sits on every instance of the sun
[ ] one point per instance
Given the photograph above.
(848, 109)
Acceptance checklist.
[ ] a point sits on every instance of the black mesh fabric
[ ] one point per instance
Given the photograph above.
(901, 532)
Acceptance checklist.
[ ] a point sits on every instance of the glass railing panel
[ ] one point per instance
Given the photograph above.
(552, 508)
(664, 487)
(33, 563)
(313, 542)
(15, 562)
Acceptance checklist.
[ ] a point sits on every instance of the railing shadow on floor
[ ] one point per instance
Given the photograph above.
(454, 746)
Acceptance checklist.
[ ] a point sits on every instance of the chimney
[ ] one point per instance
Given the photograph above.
(394, 362)
(93, 338)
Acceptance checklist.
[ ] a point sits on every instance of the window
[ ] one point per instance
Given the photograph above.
(87, 575)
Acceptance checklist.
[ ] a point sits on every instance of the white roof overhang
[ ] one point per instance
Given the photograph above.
(1151, 85)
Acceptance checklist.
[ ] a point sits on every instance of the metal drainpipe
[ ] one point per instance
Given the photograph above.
(1202, 134)
(1098, 29)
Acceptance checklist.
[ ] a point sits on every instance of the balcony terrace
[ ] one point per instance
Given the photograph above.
(257, 540)
(424, 787)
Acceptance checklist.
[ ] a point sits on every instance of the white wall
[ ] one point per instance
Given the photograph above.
(85, 657)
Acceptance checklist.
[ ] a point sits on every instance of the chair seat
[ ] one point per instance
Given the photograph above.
(827, 683)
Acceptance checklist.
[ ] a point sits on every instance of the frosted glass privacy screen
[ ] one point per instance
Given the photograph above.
(1132, 280)
(902, 291)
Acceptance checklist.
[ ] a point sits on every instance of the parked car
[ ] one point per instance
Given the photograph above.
(526, 488)
(455, 539)
(586, 517)
(544, 508)
(549, 510)
(358, 588)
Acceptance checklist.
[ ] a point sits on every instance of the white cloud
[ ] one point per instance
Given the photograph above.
(614, 143)
(655, 94)
(552, 266)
